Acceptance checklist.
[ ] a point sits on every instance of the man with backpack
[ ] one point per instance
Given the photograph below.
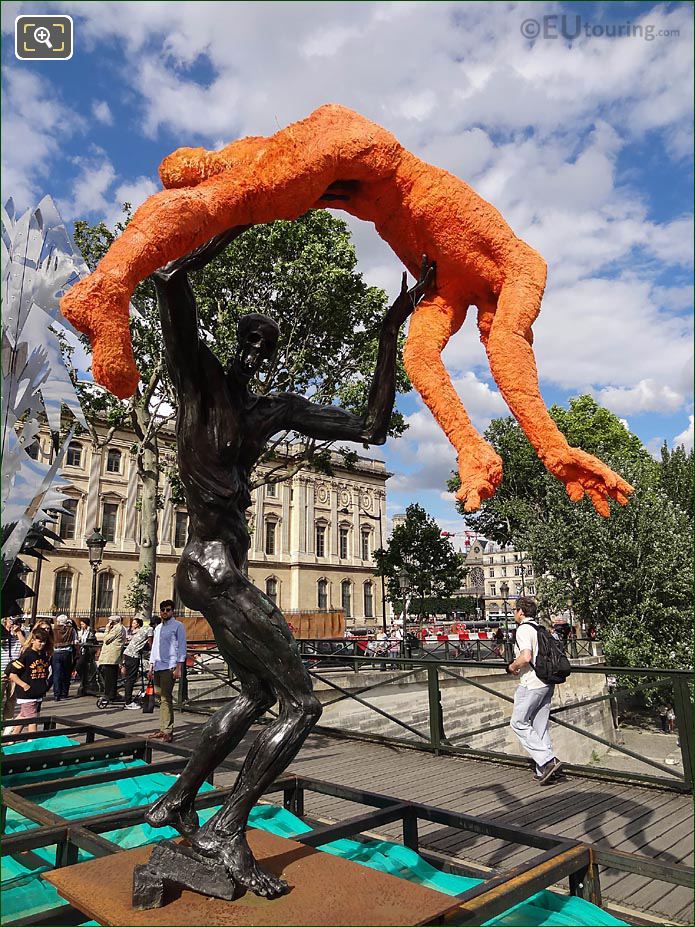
(540, 664)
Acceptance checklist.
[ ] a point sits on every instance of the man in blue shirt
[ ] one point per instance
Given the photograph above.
(167, 660)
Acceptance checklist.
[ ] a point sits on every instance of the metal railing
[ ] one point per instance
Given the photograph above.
(431, 734)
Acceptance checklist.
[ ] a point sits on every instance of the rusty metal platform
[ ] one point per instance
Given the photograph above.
(326, 890)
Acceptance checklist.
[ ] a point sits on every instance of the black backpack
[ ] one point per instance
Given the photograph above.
(552, 666)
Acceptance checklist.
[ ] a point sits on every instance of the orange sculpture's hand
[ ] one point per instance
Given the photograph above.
(583, 473)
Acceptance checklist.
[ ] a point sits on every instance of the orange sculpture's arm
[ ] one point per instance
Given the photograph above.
(417, 209)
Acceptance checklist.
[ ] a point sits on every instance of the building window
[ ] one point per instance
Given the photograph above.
(271, 490)
(322, 597)
(368, 600)
(105, 591)
(493, 588)
(270, 537)
(109, 514)
(320, 540)
(271, 589)
(492, 572)
(113, 461)
(504, 571)
(181, 529)
(74, 456)
(364, 538)
(178, 601)
(68, 522)
(33, 450)
(518, 571)
(532, 589)
(345, 594)
(518, 588)
(343, 543)
(62, 594)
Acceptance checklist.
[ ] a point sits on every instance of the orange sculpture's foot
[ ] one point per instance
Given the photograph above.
(583, 473)
(481, 473)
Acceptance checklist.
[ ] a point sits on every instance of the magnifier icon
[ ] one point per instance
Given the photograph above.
(43, 35)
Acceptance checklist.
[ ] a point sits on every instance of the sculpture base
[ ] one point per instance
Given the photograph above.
(102, 890)
(173, 866)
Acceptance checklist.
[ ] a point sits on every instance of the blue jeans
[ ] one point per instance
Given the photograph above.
(62, 670)
(530, 719)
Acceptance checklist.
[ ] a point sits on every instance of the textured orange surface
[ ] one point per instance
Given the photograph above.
(418, 209)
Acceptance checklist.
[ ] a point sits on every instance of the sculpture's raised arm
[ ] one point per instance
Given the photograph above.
(333, 423)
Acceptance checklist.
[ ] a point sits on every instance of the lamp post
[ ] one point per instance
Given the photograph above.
(346, 511)
(96, 543)
(404, 583)
(504, 589)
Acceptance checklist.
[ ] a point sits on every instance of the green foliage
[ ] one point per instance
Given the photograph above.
(631, 574)
(137, 595)
(434, 568)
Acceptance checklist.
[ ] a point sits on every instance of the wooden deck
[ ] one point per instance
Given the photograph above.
(656, 824)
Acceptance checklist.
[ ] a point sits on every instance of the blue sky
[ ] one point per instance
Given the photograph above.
(585, 146)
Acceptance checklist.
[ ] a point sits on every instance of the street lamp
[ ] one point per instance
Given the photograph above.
(346, 511)
(404, 583)
(504, 589)
(96, 543)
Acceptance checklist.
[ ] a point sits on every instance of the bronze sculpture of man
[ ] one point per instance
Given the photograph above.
(222, 428)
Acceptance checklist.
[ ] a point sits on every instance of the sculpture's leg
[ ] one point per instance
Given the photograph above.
(219, 736)
(514, 368)
(431, 327)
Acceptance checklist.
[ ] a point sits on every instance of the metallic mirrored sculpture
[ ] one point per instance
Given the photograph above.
(39, 263)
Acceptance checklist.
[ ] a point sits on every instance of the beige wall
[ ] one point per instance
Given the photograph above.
(351, 503)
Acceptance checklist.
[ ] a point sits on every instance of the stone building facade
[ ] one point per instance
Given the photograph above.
(491, 568)
(312, 537)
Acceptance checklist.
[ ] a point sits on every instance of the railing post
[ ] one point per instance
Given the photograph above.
(585, 883)
(410, 833)
(435, 707)
(684, 722)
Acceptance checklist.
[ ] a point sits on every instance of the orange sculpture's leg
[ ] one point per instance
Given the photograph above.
(480, 468)
(514, 368)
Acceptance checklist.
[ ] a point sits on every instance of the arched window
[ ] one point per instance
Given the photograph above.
(113, 461)
(68, 521)
(270, 536)
(105, 591)
(368, 600)
(322, 594)
(364, 539)
(345, 597)
(62, 593)
(271, 589)
(74, 455)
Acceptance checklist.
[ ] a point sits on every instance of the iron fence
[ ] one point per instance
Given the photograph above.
(431, 733)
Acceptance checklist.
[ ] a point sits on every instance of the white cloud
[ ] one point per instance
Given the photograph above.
(646, 396)
(35, 122)
(686, 436)
(102, 112)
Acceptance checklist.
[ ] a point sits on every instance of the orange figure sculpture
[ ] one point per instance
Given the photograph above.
(418, 209)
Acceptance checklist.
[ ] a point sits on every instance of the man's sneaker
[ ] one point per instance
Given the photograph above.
(548, 770)
(166, 738)
(132, 706)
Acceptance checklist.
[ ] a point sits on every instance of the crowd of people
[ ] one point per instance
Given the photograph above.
(54, 653)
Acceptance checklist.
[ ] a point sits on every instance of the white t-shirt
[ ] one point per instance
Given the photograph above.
(527, 639)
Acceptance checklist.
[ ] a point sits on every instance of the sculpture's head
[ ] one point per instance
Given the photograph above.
(257, 339)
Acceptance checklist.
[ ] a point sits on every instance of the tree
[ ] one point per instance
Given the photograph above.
(435, 569)
(303, 274)
(677, 476)
(631, 574)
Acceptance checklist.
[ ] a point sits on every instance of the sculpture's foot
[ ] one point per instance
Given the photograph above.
(584, 474)
(172, 812)
(481, 473)
(233, 850)
(173, 866)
